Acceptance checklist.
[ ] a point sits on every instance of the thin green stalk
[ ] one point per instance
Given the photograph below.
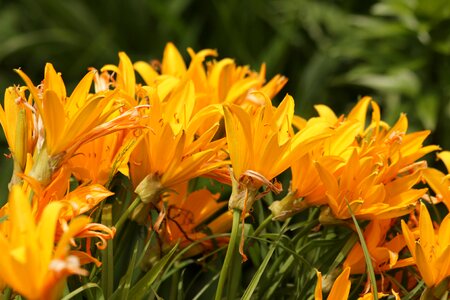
(263, 225)
(125, 215)
(229, 255)
(174, 286)
(370, 270)
(107, 276)
(257, 277)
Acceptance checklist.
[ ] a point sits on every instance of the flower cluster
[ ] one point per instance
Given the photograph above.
(173, 131)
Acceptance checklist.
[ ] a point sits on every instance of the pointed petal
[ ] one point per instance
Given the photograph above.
(425, 269)
(318, 289)
(341, 287)
(172, 63)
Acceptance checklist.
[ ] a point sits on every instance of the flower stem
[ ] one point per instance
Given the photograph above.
(263, 225)
(229, 255)
(125, 215)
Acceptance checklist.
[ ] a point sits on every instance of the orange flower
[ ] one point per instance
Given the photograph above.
(261, 145)
(188, 215)
(31, 263)
(81, 200)
(221, 81)
(65, 123)
(17, 124)
(383, 253)
(438, 181)
(173, 133)
(371, 167)
(432, 250)
(99, 160)
(360, 185)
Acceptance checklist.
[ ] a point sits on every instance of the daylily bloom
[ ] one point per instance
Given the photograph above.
(188, 215)
(438, 181)
(397, 150)
(340, 289)
(360, 185)
(16, 121)
(31, 264)
(307, 188)
(99, 160)
(383, 253)
(65, 123)
(171, 153)
(218, 82)
(432, 250)
(262, 144)
(79, 201)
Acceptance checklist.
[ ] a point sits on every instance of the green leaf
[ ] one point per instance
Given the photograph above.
(125, 282)
(371, 273)
(143, 286)
(107, 279)
(256, 278)
(84, 288)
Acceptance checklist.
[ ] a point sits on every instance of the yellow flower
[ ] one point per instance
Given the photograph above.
(438, 181)
(361, 186)
(188, 215)
(340, 289)
(17, 124)
(81, 200)
(65, 123)
(99, 160)
(218, 82)
(31, 263)
(383, 253)
(307, 188)
(432, 250)
(261, 144)
(372, 167)
(171, 152)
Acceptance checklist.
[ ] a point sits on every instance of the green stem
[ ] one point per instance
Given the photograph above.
(7, 293)
(229, 255)
(263, 225)
(125, 215)
(174, 286)
(367, 257)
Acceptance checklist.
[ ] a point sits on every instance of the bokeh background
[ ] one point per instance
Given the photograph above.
(333, 52)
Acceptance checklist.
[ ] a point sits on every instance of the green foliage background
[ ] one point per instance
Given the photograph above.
(333, 52)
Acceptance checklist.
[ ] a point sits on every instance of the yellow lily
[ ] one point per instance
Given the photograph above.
(31, 264)
(188, 215)
(438, 181)
(17, 124)
(185, 155)
(99, 160)
(81, 200)
(432, 250)
(69, 122)
(360, 185)
(383, 253)
(261, 145)
(307, 188)
(217, 82)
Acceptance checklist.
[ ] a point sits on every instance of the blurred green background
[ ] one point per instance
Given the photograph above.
(333, 52)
